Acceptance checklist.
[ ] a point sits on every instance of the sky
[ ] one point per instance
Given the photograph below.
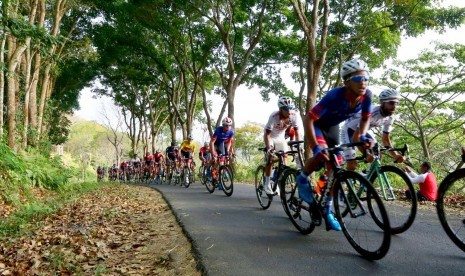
(249, 105)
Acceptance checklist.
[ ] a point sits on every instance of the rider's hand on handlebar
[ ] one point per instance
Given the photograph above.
(319, 151)
(369, 143)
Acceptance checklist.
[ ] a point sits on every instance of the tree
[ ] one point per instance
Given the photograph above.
(247, 139)
(432, 108)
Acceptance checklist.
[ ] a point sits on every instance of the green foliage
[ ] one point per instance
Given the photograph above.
(20, 173)
(35, 209)
(247, 139)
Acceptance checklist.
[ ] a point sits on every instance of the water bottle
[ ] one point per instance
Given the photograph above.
(321, 183)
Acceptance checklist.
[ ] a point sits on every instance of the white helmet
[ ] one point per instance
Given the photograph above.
(351, 66)
(388, 94)
(189, 137)
(285, 103)
(227, 121)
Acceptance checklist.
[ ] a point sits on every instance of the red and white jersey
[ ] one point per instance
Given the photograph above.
(376, 120)
(278, 127)
(157, 157)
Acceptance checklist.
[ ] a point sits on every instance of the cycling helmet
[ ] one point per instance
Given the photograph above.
(189, 137)
(206, 144)
(157, 151)
(227, 121)
(388, 94)
(351, 66)
(173, 143)
(285, 103)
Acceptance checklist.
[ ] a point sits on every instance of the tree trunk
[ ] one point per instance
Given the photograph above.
(2, 83)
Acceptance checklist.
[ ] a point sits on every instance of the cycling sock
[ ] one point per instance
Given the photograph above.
(329, 204)
(267, 180)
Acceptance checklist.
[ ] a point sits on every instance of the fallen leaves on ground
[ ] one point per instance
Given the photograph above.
(119, 230)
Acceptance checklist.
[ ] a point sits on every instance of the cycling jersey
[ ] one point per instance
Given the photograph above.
(148, 160)
(172, 152)
(376, 120)
(187, 145)
(204, 152)
(123, 166)
(135, 162)
(221, 136)
(289, 134)
(277, 125)
(158, 157)
(333, 109)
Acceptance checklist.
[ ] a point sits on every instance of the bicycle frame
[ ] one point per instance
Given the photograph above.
(335, 170)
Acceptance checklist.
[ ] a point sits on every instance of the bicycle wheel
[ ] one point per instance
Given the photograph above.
(296, 209)
(208, 180)
(263, 199)
(226, 179)
(451, 214)
(186, 176)
(359, 226)
(401, 211)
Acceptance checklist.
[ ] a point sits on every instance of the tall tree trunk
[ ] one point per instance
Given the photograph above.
(2, 83)
(16, 53)
(36, 71)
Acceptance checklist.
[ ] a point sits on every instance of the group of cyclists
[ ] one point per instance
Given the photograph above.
(151, 167)
(350, 104)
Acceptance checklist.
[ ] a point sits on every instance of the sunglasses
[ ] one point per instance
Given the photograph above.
(359, 78)
(392, 102)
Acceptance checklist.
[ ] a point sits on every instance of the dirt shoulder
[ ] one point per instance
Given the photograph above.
(119, 230)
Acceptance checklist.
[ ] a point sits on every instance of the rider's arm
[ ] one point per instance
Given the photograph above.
(387, 143)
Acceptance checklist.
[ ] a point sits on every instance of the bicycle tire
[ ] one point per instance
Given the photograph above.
(186, 177)
(295, 208)
(401, 216)
(452, 217)
(368, 238)
(202, 174)
(226, 179)
(209, 182)
(263, 199)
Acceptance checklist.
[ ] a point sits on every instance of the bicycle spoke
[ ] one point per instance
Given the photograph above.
(359, 225)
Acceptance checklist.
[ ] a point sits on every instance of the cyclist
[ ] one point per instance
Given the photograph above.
(221, 142)
(158, 158)
(148, 163)
(99, 173)
(274, 134)
(382, 115)
(122, 168)
(427, 182)
(172, 154)
(205, 153)
(135, 161)
(187, 148)
(322, 127)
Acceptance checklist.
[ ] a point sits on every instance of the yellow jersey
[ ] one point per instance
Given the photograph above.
(187, 146)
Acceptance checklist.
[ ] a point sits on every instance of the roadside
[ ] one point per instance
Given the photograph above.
(120, 229)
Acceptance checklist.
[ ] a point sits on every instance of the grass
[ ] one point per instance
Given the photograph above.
(27, 214)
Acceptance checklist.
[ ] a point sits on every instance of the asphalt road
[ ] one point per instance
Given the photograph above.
(234, 236)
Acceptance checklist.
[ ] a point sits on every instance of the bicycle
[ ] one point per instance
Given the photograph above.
(187, 174)
(452, 216)
(224, 176)
(354, 213)
(263, 199)
(388, 177)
